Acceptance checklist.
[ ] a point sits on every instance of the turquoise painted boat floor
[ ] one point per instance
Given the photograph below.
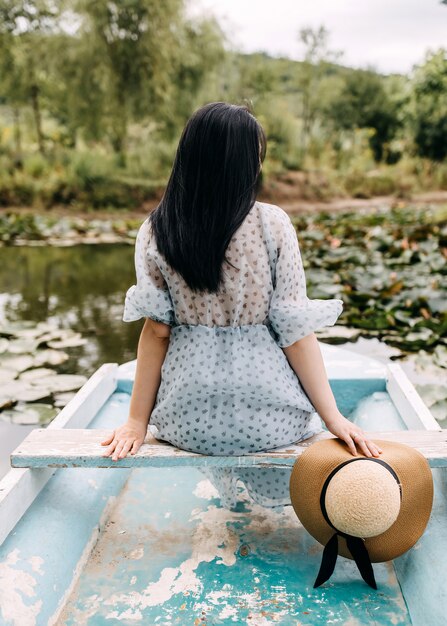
(170, 554)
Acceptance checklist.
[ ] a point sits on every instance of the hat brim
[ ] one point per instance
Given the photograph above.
(314, 465)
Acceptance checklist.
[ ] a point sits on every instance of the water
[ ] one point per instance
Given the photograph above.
(81, 288)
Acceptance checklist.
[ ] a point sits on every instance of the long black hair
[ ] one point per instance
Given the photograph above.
(212, 187)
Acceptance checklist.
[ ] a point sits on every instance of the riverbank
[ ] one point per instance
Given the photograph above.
(61, 225)
(286, 196)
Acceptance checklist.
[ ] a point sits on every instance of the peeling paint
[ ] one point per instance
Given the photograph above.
(228, 612)
(191, 571)
(212, 539)
(36, 562)
(82, 617)
(14, 585)
(205, 489)
(138, 553)
(111, 503)
(128, 615)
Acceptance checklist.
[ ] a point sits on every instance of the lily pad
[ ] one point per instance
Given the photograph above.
(34, 333)
(36, 373)
(10, 329)
(50, 335)
(70, 342)
(16, 363)
(6, 375)
(49, 357)
(22, 346)
(24, 391)
(30, 414)
(62, 399)
(441, 356)
(431, 394)
(439, 412)
(4, 343)
(339, 332)
(60, 382)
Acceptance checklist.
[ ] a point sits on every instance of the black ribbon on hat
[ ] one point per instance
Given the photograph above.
(356, 545)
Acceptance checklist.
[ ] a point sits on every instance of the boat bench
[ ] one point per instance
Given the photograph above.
(65, 447)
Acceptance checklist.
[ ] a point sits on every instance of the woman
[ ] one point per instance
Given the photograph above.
(227, 362)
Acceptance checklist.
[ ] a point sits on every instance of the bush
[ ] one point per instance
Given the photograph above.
(368, 185)
(36, 165)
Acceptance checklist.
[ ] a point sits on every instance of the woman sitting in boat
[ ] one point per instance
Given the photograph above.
(228, 362)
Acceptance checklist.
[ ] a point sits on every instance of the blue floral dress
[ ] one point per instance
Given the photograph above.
(226, 386)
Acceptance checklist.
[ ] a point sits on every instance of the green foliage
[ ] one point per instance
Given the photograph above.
(364, 103)
(430, 107)
(387, 266)
(91, 114)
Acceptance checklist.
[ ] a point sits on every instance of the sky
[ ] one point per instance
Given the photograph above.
(387, 35)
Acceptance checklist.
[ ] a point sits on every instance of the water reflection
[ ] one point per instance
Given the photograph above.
(79, 287)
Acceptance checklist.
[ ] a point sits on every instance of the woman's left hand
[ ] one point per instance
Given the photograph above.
(352, 434)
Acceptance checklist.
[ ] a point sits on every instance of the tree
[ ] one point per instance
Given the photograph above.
(363, 102)
(25, 26)
(430, 106)
(317, 57)
(199, 51)
(135, 43)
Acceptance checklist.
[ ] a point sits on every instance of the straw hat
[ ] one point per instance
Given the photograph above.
(377, 506)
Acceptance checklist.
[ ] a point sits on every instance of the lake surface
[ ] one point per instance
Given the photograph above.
(78, 287)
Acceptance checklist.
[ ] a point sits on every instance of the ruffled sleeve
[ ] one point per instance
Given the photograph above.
(150, 296)
(292, 314)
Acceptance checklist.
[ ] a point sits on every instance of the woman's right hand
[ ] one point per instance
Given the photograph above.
(125, 438)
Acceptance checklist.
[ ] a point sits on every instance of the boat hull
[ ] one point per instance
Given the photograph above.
(155, 546)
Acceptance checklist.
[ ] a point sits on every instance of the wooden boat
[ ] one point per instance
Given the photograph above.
(151, 544)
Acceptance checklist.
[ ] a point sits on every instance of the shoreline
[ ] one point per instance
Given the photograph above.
(293, 205)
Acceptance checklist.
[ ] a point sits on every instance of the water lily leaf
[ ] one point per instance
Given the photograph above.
(50, 336)
(70, 342)
(62, 399)
(34, 374)
(440, 356)
(4, 343)
(58, 333)
(6, 375)
(49, 357)
(30, 414)
(437, 305)
(10, 329)
(422, 334)
(439, 411)
(23, 391)
(22, 346)
(60, 382)
(33, 333)
(426, 368)
(432, 393)
(406, 317)
(339, 332)
(16, 363)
